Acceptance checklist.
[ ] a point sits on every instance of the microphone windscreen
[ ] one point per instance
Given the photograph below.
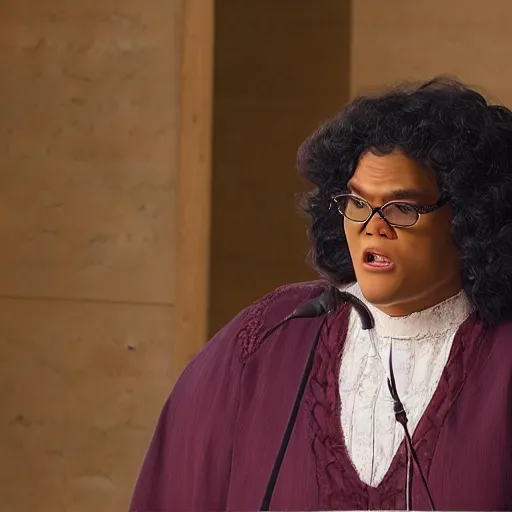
(310, 308)
(330, 300)
(367, 320)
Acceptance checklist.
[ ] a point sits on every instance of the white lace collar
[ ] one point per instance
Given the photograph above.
(436, 321)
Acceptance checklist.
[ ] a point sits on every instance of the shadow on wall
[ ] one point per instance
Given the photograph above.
(279, 72)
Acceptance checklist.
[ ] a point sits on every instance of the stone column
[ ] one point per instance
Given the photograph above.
(104, 147)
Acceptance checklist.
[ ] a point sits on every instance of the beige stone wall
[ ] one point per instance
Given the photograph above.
(403, 39)
(90, 118)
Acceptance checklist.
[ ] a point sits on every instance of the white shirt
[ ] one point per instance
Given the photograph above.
(421, 347)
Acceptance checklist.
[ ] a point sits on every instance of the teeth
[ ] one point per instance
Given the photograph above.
(378, 258)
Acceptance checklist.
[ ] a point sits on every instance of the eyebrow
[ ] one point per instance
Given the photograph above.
(400, 193)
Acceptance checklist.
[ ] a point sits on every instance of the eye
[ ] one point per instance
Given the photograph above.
(358, 203)
(404, 207)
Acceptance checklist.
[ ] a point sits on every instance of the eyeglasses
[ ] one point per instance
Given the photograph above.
(395, 213)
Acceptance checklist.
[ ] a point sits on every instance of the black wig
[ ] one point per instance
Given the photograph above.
(451, 129)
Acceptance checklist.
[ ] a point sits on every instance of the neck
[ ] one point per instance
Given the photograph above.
(441, 293)
(416, 306)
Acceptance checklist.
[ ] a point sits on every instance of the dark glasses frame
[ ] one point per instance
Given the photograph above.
(419, 209)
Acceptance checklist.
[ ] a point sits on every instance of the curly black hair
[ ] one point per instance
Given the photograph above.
(453, 130)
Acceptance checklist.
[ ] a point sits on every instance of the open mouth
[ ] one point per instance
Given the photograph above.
(376, 260)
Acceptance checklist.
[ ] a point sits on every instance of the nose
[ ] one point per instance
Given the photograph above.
(377, 226)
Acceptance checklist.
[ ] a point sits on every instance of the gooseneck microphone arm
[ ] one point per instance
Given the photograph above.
(412, 457)
(265, 504)
(330, 300)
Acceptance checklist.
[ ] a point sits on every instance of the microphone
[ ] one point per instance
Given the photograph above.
(327, 302)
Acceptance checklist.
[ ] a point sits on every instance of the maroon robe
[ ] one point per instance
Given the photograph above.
(220, 430)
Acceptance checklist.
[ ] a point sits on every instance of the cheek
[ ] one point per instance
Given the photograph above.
(429, 250)
(352, 236)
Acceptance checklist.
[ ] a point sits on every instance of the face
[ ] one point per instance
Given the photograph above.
(402, 270)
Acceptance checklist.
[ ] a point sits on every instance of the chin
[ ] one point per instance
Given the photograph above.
(380, 290)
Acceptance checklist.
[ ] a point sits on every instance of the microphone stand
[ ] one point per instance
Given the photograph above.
(330, 300)
(265, 504)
